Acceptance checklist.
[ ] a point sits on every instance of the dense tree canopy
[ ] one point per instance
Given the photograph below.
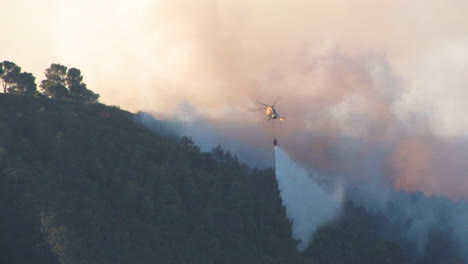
(62, 83)
(55, 83)
(9, 73)
(25, 84)
(105, 190)
(78, 187)
(77, 87)
(16, 82)
(75, 82)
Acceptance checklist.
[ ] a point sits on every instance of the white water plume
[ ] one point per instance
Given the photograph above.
(307, 204)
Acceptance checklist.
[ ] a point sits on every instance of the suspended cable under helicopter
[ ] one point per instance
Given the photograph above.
(272, 114)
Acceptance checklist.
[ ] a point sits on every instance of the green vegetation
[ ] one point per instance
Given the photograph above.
(77, 186)
(105, 190)
(14, 81)
(60, 83)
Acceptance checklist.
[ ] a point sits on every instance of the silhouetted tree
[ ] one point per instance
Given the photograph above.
(77, 87)
(25, 84)
(60, 83)
(9, 74)
(55, 83)
(75, 82)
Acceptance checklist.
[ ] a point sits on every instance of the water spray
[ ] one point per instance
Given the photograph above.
(307, 205)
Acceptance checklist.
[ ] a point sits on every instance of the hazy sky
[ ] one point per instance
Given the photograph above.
(387, 74)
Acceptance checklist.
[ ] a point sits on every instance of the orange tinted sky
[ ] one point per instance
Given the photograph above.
(373, 70)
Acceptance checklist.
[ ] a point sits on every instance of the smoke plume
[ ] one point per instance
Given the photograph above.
(374, 92)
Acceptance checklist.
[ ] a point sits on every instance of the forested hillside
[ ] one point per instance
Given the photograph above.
(102, 189)
(84, 183)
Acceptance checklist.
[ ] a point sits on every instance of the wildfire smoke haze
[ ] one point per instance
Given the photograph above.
(372, 90)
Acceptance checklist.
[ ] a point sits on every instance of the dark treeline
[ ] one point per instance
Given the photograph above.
(77, 186)
(60, 82)
(106, 190)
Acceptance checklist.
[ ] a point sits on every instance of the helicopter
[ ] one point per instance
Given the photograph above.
(270, 111)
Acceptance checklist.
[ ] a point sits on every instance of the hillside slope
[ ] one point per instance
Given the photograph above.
(103, 189)
(85, 183)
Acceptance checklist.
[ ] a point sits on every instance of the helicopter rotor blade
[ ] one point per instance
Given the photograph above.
(260, 103)
(258, 109)
(276, 101)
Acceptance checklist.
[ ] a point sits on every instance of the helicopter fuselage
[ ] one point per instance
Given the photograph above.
(272, 114)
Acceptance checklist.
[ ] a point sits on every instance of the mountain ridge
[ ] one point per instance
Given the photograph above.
(85, 183)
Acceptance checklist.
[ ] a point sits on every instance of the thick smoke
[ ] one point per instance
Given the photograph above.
(366, 99)
(207, 135)
(308, 206)
(373, 91)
